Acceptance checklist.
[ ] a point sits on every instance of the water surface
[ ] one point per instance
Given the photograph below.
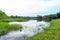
(30, 28)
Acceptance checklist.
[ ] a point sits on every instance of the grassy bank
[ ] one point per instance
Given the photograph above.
(13, 19)
(51, 33)
(5, 28)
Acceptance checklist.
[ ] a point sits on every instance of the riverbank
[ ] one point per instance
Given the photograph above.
(5, 28)
(51, 33)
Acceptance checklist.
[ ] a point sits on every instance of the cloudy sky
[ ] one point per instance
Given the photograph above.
(30, 7)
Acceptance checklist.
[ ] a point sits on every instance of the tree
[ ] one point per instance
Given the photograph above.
(58, 14)
(39, 18)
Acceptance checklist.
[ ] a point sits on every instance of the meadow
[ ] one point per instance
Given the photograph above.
(50, 33)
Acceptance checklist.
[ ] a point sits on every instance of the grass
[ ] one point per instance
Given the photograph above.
(50, 33)
(13, 19)
(5, 28)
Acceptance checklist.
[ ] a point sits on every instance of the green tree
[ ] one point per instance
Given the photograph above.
(58, 14)
(39, 18)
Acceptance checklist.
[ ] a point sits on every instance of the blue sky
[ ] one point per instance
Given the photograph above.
(30, 7)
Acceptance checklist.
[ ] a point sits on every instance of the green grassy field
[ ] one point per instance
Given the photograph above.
(13, 19)
(50, 33)
(5, 28)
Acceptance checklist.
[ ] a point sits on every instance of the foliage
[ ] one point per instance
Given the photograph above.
(58, 14)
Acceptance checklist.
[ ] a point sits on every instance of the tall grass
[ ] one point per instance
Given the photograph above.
(5, 28)
(51, 33)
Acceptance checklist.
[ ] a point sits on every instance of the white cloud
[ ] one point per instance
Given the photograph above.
(26, 7)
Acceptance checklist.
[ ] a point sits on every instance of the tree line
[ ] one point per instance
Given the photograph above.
(49, 17)
(39, 18)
